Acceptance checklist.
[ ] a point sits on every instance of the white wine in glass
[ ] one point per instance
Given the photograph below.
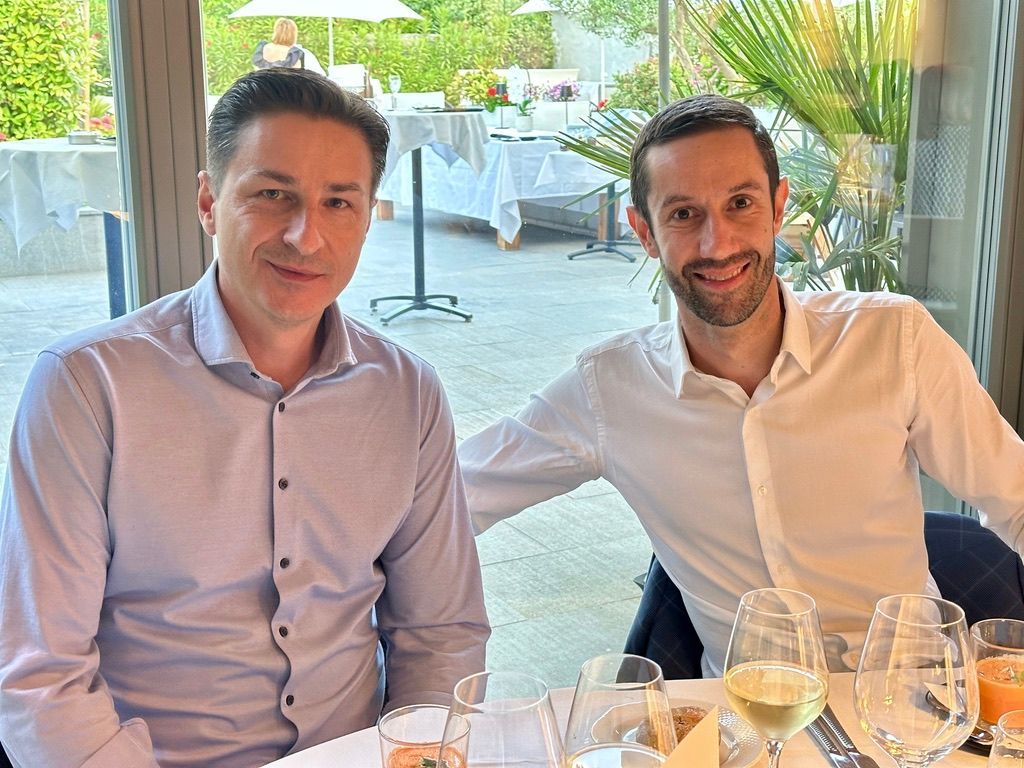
(916, 645)
(776, 677)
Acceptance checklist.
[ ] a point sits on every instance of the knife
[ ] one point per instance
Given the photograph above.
(842, 738)
(828, 745)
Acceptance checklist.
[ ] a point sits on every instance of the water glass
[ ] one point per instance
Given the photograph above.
(620, 714)
(501, 720)
(916, 646)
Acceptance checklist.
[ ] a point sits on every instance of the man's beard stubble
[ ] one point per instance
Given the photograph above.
(729, 310)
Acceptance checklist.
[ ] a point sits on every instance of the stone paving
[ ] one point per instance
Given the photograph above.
(558, 577)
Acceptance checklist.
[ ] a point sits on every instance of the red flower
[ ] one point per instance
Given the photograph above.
(602, 103)
(504, 97)
(492, 91)
(3, 136)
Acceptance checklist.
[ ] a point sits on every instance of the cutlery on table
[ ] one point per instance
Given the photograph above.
(829, 746)
(829, 723)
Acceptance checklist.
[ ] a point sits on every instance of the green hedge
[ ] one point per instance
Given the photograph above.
(454, 35)
(47, 61)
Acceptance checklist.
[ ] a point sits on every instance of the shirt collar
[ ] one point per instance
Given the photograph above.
(795, 342)
(218, 342)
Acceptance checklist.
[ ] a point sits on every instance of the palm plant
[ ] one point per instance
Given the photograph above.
(845, 76)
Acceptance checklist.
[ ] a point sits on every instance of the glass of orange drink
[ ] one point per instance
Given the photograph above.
(410, 737)
(999, 653)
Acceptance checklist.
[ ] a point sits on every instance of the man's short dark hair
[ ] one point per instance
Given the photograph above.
(695, 114)
(273, 91)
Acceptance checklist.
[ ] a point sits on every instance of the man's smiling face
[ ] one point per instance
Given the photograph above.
(713, 222)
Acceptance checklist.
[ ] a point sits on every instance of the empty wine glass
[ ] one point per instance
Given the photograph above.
(776, 677)
(916, 645)
(620, 715)
(501, 720)
(394, 86)
(1008, 747)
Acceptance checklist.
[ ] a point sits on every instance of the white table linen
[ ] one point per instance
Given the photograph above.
(44, 182)
(514, 170)
(452, 135)
(362, 749)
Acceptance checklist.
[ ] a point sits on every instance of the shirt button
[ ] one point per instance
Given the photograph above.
(282, 483)
(289, 699)
(254, 374)
(280, 407)
(285, 562)
(762, 490)
(282, 631)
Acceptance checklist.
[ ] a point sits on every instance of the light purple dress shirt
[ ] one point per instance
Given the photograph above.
(194, 559)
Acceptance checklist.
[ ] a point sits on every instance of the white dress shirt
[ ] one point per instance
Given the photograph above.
(810, 484)
(193, 559)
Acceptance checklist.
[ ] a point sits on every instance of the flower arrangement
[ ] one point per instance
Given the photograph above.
(493, 100)
(470, 87)
(556, 92)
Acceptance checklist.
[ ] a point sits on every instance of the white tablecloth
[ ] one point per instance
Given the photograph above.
(452, 135)
(514, 170)
(44, 182)
(362, 748)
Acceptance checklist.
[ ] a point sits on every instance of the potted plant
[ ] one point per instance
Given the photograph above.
(524, 115)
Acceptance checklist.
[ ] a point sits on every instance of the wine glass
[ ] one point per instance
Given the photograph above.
(776, 677)
(394, 86)
(1008, 747)
(501, 720)
(917, 645)
(620, 715)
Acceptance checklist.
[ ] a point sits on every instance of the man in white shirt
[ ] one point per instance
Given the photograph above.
(766, 438)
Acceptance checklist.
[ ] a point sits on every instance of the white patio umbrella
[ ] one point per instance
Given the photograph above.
(359, 10)
(543, 6)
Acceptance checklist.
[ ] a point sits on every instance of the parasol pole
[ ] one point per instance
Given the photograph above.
(330, 40)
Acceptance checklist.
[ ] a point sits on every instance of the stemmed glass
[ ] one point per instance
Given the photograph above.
(776, 677)
(501, 720)
(917, 645)
(394, 86)
(620, 715)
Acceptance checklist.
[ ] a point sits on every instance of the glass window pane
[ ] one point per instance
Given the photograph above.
(61, 259)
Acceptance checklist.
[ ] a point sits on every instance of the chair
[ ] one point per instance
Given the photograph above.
(351, 77)
(970, 564)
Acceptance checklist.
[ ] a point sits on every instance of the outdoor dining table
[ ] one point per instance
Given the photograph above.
(361, 748)
(45, 182)
(451, 135)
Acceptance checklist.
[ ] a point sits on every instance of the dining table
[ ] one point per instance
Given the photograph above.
(451, 134)
(362, 749)
(44, 183)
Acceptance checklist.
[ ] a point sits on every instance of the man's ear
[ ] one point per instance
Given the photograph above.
(643, 231)
(781, 195)
(205, 204)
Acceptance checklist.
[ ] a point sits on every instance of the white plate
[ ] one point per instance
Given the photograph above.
(739, 745)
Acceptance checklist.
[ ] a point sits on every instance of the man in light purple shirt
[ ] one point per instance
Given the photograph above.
(221, 509)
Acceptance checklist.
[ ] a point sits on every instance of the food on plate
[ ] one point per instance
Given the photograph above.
(684, 719)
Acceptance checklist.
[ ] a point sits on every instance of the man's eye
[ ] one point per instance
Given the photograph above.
(682, 213)
(337, 202)
(272, 194)
(742, 202)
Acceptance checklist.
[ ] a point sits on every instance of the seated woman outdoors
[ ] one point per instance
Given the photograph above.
(284, 51)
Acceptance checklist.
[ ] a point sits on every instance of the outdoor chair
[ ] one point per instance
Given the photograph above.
(971, 566)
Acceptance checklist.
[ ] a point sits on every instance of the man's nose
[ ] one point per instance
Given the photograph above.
(718, 237)
(303, 230)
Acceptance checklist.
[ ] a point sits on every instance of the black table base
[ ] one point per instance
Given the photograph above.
(419, 300)
(610, 243)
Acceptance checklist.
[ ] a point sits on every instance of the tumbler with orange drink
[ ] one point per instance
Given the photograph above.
(999, 653)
